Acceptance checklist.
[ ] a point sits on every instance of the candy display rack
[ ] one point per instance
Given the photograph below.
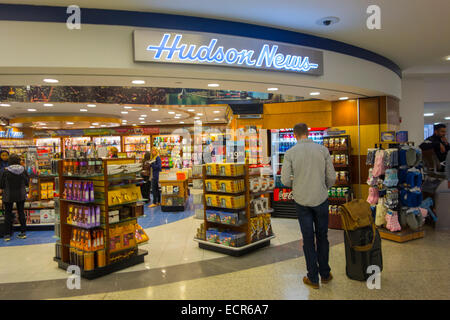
(119, 207)
(242, 210)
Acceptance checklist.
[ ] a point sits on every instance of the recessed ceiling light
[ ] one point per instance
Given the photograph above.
(155, 109)
(83, 110)
(69, 122)
(5, 105)
(191, 110)
(177, 117)
(124, 112)
(138, 81)
(95, 123)
(216, 111)
(171, 112)
(143, 115)
(44, 127)
(213, 84)
(272, 89)
(314, 93)
(142, 122)
(447, 118)
(199, 114)
(134, 124)
(447, 58)
(127, 107)
(141, 118)
(196, 118)
(91, 105)
(343, 98)
(216, 119)
(48, 104)
(181, 121)
(31, 110)
(103, 125)
(158, 120)
(428, 114)
(91, 127)
(51, 80)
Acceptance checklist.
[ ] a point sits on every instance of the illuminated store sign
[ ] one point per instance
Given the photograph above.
(213, 49)
(10, 133)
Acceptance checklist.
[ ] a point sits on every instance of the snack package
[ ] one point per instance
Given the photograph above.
(213, 216)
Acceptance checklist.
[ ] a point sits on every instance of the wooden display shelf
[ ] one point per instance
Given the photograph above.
(66, 229)
(401, 236)
(244, 227)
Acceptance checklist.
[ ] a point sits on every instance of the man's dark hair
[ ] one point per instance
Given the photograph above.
(439, 126)
(301, 129)
(14, 159)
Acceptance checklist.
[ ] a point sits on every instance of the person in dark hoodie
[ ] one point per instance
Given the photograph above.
(4, 156)
(13, 182)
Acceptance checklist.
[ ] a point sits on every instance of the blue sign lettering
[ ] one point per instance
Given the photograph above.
(268, 57)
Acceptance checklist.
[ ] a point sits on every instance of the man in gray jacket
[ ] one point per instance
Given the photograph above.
(308, 169)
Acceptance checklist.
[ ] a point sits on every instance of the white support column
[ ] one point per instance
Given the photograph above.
(412, 109)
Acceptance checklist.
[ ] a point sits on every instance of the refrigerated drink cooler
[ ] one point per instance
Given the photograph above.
(282, 140)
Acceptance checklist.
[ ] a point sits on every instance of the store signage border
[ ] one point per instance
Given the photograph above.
(165, 46)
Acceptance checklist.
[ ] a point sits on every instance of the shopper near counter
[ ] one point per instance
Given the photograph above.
(438, 142)
(4, 156)
(146, 174)
(156, 169)
(13, 182)
(308, 169)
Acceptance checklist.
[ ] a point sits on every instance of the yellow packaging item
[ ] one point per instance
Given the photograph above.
(89, 261)
(43, 194)
(50, 194)
(212, 200)
(232, 202)
(211, 185)
(211, 169)
(101, 258)
(231, 186)
(231, 169)
(43, 186)
(50, 186)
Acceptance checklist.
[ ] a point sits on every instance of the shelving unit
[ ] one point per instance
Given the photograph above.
(340, 146)
(118, 254)
(166, 144)
(171, 201)
(243, 225)
(136, 146)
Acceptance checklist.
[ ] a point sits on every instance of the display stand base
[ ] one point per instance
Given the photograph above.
(236, 252)
(401, 236)
(113, 267)
(37, 227)
(173, 208)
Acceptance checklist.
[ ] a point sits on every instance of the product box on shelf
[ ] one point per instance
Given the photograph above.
(113, 216)
(211, 185)
(231, 202)
(212, 235)
(213, 216)
(231, 186)
(229, 218)
(231, 169)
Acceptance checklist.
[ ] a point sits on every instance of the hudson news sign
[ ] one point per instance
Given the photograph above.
(228, 51)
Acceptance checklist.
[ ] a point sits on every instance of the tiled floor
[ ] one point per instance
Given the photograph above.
(176, 268)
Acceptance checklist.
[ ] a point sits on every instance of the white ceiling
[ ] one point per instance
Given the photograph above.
(414, 33)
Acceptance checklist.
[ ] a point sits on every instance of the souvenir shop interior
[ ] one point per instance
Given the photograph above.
(86, 181)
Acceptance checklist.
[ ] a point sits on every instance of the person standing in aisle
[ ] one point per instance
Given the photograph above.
(438, 142)
(146, 173)
(13, 182)
(114, 152)
(4, 155)
(309, 171)
(156, 169)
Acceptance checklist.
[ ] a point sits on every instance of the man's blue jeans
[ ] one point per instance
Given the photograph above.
(314, 222)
